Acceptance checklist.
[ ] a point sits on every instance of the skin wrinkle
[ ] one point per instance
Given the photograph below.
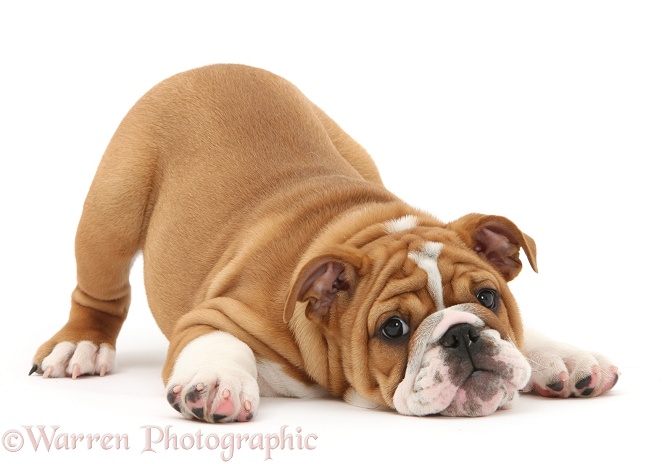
(384, 386)
(459, 271)
(382, 375)
(456, 291)
(360, 358)
(399, 286)
(401, 303)
(406, 290)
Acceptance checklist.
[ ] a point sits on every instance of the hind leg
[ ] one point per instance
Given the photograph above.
(108, 237)
(349, 149)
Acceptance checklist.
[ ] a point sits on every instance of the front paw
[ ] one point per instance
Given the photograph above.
(560, 370)
(215, 397)
(74, 359)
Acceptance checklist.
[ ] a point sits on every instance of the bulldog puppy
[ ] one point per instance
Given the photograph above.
(276, 263)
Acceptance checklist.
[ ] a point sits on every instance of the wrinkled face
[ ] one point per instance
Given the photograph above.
(441, 335)
(423, 320)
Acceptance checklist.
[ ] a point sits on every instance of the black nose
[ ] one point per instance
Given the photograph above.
(463, 339)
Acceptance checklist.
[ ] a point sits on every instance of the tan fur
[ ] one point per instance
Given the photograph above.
(231, 183)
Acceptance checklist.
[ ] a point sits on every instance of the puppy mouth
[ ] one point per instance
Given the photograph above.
(459, 367)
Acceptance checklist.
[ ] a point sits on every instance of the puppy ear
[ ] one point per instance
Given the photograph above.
(318, 284)
(497, 240)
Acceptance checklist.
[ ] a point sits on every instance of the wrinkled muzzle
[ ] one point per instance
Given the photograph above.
(459, 367)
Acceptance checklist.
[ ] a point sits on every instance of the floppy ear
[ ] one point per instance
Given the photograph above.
(497, 240)
(318, 284)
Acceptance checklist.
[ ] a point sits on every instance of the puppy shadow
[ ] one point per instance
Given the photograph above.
(140, 360)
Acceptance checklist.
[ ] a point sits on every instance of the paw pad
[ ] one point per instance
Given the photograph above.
(212, 402)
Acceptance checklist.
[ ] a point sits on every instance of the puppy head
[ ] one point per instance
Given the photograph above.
(417, 316)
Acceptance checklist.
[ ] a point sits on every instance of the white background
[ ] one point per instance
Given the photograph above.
(550, 114)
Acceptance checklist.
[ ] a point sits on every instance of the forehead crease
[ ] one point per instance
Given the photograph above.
(454, 266)
(427, 258)
(406, 282)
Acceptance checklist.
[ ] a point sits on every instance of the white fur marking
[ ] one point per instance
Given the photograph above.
(427, 259)
(88, 358)
(274, 382)
(215, 351)
(401, 224)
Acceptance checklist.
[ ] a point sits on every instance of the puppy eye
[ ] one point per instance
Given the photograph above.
(488, 298)
(395, 328)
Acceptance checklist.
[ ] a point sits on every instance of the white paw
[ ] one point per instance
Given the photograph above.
(215, 380)
(75, 359)
(562, 370)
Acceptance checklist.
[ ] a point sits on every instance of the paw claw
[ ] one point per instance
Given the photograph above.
(246, 414)
(173, 397)
(34, 369)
